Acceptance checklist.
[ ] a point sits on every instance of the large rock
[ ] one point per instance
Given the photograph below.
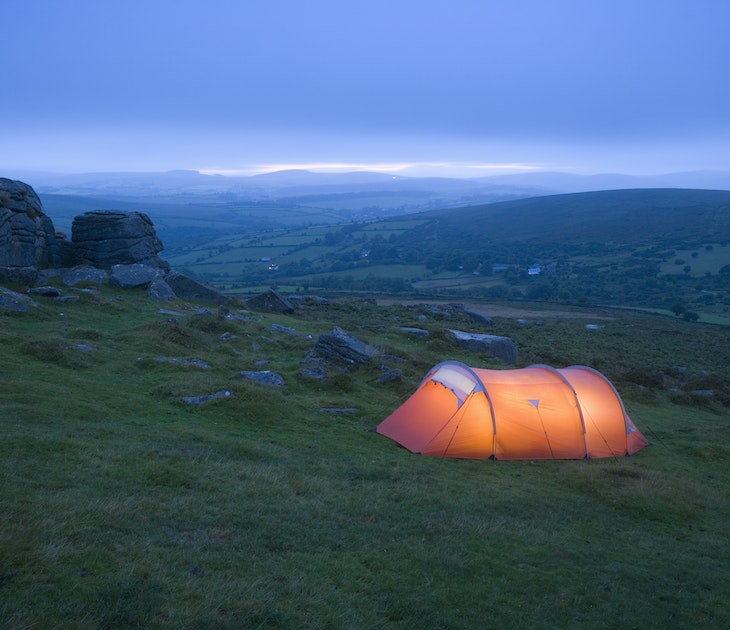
(271, 302)
(503, 348)
(341, 346)
(264, 377)
(135, 275)
(28, 241)
(160, 291)
(479, 317)
(85, 274)
(13, 301)
(104, 238)
(186, 288)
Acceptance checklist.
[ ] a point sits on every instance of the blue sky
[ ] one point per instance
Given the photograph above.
(454, 87)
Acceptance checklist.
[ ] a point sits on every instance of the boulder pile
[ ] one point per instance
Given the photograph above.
(120, 248)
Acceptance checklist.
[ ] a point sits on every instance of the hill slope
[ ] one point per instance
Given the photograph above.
(628, 216)
(657, 248)
(124, 506)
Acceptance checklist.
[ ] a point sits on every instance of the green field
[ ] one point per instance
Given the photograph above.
(123, 506)
(665, 250)
(706, 259)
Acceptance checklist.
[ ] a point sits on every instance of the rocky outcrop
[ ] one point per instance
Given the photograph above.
(104, 238)
(28, 241)
(106, 246)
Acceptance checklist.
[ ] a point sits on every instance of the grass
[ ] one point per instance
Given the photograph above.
(121, 506)
(707, 259)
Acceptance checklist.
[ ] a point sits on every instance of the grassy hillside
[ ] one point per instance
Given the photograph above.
(123, 506)
(622, 216)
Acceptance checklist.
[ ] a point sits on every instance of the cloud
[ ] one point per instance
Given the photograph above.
(421, 169)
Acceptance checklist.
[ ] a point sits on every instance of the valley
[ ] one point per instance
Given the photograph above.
(661, 249)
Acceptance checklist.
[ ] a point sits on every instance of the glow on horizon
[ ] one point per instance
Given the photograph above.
(433, 169)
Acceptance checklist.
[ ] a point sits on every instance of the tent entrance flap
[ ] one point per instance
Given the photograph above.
(536, 412)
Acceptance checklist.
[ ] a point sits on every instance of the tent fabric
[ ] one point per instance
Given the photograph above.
(538, 412)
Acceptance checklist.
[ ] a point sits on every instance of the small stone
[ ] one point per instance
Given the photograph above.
(264, 377)
(416, 332)
(52, 292)
(200, 400)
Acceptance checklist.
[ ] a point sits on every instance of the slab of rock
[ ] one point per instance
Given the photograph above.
(11, 304)
(503, 348)
(186, 288)
(264, 377)
(133, 275)
(390, 375)
(85, 273)
(51, 292)
(284, 329)
(103, 238)
(160, 291)
(339, 345)
(14, 301)
(416, 332)
(198, 363)
(270, 302)
(317, 372)
(200, 400)
(479, 318)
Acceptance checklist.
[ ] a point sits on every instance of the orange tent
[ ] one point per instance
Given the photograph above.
(537, 412)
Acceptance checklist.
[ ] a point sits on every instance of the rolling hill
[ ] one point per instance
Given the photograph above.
(628, 216)
(656, 248)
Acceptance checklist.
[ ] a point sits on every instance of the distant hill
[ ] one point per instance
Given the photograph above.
(570, 182)
(628, 216)
(299, 182)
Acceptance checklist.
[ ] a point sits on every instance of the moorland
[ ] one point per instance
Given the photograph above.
(125, 506)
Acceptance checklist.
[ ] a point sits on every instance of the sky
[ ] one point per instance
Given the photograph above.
(416, 87)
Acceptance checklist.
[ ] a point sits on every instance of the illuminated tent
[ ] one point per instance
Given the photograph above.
(537, 412)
